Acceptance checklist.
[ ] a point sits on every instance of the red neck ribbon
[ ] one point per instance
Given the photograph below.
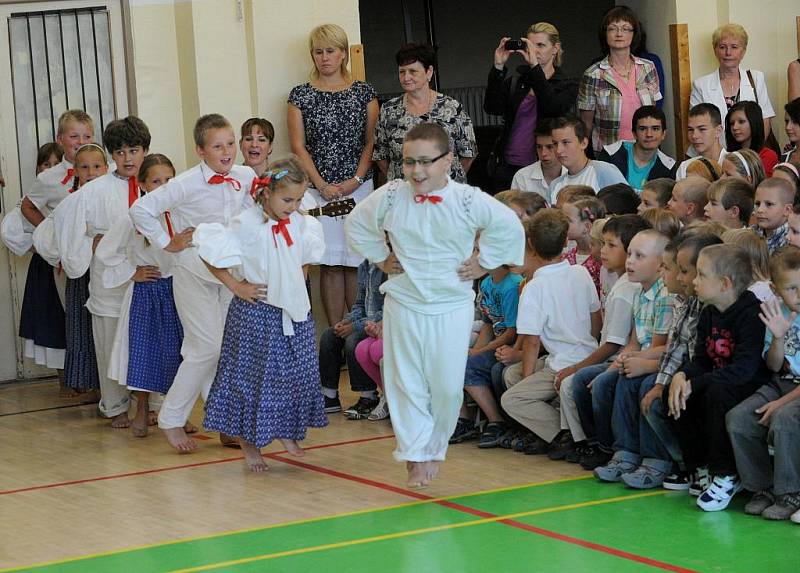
(70, 174)
(217, 179)
(280, 229)
(434, 199)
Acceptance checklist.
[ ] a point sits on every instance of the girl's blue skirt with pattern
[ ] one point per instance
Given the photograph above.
(155, 336)
(80, 363)
(267, 384)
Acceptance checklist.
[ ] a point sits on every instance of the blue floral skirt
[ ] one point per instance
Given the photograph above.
(267, 384)
(155, 336)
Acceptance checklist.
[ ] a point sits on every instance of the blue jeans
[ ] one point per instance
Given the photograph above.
(479, 369)
(583, 396)
(603, 387)
(632, 433)
(656, 418)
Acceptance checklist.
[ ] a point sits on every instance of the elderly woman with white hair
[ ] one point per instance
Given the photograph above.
(732, 83)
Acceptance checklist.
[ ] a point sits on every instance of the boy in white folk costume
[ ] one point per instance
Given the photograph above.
(431, 223)
(214, 191)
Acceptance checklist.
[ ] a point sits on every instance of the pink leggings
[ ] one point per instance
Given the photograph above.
(369, 353)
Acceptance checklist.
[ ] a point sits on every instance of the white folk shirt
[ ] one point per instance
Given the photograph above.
(122, 250)
(251, 247)
(556, 305)
(192, 200)
(92, 210)
(50, 188)
(432, 240)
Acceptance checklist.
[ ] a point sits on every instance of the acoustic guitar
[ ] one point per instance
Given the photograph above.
(338, 208)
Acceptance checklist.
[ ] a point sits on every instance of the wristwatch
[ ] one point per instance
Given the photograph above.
(359, 180)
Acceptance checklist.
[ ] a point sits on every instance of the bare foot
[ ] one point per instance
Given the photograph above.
(252, 457)
(417, 475)
(293, 448)
(189, 428)
(178, 439)
(152, 418)
(121, 421)
(229, 441)
(432, 469)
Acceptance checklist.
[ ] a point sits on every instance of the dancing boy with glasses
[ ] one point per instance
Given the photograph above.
(432, 224)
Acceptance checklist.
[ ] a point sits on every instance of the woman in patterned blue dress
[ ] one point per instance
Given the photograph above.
(331, 122)
(267, 384)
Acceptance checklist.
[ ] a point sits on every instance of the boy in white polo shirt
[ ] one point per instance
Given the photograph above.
(537, 177)
(559, 309)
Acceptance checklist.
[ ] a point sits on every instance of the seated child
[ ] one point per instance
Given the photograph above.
(730, 202)
(559, 310)
(498, 300)
(756, 248)
(726, 368)
(656, 193)
(773, 205)
(338, 343)
(582, 214)
(526, 205)
(680, 348)
(769, 417)
(794, 225)
(616, 236)
(619, 199)
(369, 354)
(663, 221)
(652, 317)
(689, 198)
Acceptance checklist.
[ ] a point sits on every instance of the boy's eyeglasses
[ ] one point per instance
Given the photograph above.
(423, 161)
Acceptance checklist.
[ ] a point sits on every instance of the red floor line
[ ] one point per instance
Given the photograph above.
(178, 467)
(485, 515)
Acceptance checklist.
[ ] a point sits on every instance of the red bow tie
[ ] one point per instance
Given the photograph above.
(432, 198)
(70, 174)
(217, 179)
(281, 229)
(133, 190)
(168, 220)
(263, 182)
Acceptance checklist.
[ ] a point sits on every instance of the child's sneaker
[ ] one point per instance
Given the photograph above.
(594, 456)
(524, 440)
(698, 482)
(678, 481)
(574, 456)
(795, 517)
(644, 477)
(784, 507)
(381, 411)
(490, 438)
(536, 447)
(561, 447)
(719, 493)
(465, 430)
(759, 502)
(361, 409)
(613, 470)
(332, 405)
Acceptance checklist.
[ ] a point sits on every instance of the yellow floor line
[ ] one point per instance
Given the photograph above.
(290, 523)
(412, 532)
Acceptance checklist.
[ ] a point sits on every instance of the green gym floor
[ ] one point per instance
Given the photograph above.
(573, 524)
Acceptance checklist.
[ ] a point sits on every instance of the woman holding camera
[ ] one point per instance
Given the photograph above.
(539, 91)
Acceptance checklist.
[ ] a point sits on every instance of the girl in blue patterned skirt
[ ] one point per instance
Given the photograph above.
(267, 384)
(147, 344)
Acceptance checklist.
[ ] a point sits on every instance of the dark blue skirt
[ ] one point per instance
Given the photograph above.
(267, 384)
(80, 364)
(42, 316)
(155, 335)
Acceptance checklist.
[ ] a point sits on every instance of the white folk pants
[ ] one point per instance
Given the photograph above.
(424, 361)
(114, 399)
(202, 307)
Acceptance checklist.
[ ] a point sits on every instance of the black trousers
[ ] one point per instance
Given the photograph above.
(335, 351)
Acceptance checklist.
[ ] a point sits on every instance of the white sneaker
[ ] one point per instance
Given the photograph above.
(381, 411)
(796, 516)
(719, 493)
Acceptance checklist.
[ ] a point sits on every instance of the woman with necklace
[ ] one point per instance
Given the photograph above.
(420, 104)
(331, 124)
(612, 89)
(731, 83)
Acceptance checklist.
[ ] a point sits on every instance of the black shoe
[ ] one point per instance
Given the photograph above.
(492, 433)
(506, 441)
(536, 448)
(332, 405)
(594, 457)
(361, 409)
(574, 456)
(524, 440)
(465, 430)
(559, 449)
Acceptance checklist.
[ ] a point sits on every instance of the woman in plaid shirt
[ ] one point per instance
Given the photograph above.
(619, 84)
